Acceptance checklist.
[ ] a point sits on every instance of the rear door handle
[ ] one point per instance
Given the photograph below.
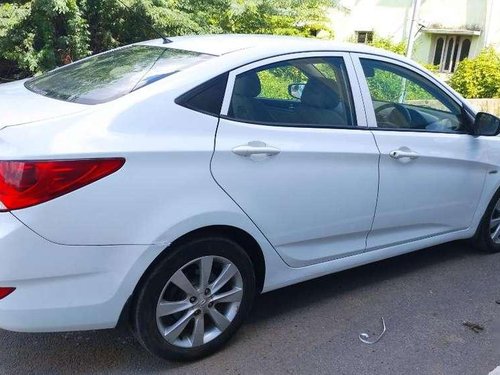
(403, 153)
(256, 148)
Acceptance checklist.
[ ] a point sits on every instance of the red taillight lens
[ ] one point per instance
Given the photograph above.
(4, 292)
(28, 183)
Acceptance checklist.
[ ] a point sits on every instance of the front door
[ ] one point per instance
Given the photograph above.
(300, 166)
(431, 170)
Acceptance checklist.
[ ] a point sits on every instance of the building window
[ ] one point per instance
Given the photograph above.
(438, 52)
(464, 53)
(364, 36)
(449, 50)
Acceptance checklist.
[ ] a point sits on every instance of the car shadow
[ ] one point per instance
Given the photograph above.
(272, 304)
(116, 351)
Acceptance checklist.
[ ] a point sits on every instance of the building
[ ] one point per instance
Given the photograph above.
(446, 31)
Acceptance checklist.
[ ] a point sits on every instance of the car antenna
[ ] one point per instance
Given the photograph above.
(145, 22)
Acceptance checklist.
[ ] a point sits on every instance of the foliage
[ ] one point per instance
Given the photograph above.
(38, 35)
(275, 81)
(282, 17)
(431, 68)
(478, 77)
(42, 34)
(385, 43)
(387, 86)
(389, 45)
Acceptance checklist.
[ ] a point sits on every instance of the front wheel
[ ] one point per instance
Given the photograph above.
(194, 299)
(488, 234)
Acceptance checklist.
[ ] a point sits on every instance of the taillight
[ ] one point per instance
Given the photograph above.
(4, 292)
(28, 183)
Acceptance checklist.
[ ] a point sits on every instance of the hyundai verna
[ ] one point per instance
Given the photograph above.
(169, 183)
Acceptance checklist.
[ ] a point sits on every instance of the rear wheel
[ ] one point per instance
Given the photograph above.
(194, 299)
(488, 235)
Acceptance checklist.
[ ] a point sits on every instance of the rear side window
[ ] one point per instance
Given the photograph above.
(308, 92)
(108, 76)
(206, 98)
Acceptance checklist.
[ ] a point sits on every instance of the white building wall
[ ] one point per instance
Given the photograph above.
(492, 33)
(391, 19)
(369, 15)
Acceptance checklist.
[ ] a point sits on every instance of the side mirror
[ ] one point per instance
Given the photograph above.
(295, 90)
(486, 124)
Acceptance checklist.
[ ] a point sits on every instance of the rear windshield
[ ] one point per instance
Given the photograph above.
(108, 76)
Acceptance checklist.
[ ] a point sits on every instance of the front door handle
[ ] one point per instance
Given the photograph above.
(403, 152)
(256, 148)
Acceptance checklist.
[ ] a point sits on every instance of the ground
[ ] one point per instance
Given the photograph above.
(313, 328)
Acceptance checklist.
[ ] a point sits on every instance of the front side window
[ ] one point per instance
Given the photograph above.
(310, 92)
(403, 99)
(108, 76)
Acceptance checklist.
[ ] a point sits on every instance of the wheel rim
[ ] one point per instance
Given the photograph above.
(199, 301)
(495, 224)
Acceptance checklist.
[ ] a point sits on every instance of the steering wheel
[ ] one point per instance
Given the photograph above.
(399, 117)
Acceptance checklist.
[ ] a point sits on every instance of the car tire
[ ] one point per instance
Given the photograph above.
(212, 318)
(487, 237)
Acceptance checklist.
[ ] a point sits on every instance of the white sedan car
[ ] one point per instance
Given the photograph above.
(166, 184)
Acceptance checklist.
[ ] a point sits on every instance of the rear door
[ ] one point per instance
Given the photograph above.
(432, 171)
(305, 171)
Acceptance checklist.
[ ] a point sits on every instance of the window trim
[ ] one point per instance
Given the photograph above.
(367, 99)
(359, 111)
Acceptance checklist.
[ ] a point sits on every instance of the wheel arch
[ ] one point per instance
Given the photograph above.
(489, 194)
(240, 236)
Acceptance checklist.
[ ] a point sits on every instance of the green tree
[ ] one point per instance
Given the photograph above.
(478, 77)
(283, 17)
(41, 34)
(38, 35)
(10, 17)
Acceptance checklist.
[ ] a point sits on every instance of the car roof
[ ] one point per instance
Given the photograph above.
(237, 50)
(223, 44)
(240, 49)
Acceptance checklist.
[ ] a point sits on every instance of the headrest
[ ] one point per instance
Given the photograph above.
(247, 84)
(320, 93)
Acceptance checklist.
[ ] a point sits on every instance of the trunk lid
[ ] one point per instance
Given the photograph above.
(18, 106)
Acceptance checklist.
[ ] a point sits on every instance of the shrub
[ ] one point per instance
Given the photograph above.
(478, 77)
(389, 45)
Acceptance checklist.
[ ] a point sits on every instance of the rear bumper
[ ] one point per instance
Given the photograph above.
(63, 288)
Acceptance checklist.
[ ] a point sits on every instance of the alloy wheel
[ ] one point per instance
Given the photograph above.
(199, 301)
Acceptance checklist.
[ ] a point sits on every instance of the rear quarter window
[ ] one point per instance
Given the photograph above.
(206, 98)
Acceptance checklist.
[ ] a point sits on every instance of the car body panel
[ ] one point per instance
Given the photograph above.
(153, 152)
(84, 287)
